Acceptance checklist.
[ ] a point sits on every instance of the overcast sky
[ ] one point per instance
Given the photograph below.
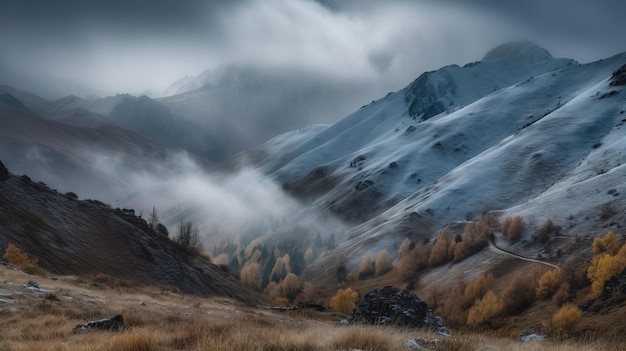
(134, 46)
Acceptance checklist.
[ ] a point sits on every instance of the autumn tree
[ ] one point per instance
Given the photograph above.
(512, 228)
(366, 268)
(344, 301)
(405, 249)
(383, 263)
(250, 275)
(608, 259)
(308, 256)
(290, 286)
(566, 318)
(439, 252)
(13, 255)
(475, 237)
(549, 283)
(484, 309)
(519, 293)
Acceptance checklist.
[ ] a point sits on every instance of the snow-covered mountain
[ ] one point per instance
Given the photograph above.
(520, 133)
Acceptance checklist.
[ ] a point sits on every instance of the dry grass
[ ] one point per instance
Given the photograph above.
(164, 320)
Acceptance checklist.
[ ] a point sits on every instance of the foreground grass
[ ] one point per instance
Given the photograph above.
(161, 320)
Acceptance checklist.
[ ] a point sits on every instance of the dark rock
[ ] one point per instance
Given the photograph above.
(34, 287)
(619, 77)
(114, 323)
(392, 306)
(4, 172)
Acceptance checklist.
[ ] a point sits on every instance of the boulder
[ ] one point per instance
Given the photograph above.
(114, 323)
(392, 306)
(529, 337)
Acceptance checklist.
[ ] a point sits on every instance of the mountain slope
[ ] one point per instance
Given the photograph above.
(89, 157)
(69, 236)
(524, 148)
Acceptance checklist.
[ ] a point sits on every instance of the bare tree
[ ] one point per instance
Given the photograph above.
(188, 237)
(153, 219)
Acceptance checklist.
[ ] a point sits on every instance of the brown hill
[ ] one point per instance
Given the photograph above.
(73, 237)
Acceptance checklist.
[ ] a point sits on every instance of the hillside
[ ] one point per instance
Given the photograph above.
(80, 151)
(88, 238)
(544, 142)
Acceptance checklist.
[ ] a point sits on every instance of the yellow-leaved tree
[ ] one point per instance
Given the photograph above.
(608, 259)
(344, 301)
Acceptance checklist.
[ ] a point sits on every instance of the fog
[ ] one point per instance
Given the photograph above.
(240, 205)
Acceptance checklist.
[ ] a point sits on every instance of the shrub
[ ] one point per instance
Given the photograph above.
(566, 318)
(344, 301)
(281, 301)
(161, 229)
(13, 255)
(607, 211)
(549, 282)
(383, 263)
(484, 309)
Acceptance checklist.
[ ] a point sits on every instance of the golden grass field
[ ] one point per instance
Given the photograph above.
(156, 319)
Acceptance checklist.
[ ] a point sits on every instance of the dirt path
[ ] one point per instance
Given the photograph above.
(494, 247)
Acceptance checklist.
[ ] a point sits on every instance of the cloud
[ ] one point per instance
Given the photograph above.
(121, 46)
(244, 202)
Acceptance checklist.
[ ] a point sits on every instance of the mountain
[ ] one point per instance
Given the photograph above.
(87, 238)
(252, 104)
(189, 83)
(85, 154)
(157, 122)
(519, 133)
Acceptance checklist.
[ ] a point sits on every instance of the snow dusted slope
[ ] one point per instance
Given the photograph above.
(548, 143)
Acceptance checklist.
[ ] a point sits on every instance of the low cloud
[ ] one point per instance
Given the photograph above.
(243, 203)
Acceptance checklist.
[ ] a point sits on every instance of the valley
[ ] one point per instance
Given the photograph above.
(494, 191)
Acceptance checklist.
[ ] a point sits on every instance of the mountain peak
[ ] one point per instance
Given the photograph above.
(518, 49)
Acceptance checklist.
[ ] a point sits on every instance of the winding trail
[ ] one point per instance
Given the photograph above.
(494, 247)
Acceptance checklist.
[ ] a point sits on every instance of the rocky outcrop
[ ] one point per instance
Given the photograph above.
(619, 77)
(614, 289)
(4, 172)
(114, 323)
(392, 306)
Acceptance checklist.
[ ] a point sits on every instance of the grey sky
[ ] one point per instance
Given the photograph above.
(119, 46)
